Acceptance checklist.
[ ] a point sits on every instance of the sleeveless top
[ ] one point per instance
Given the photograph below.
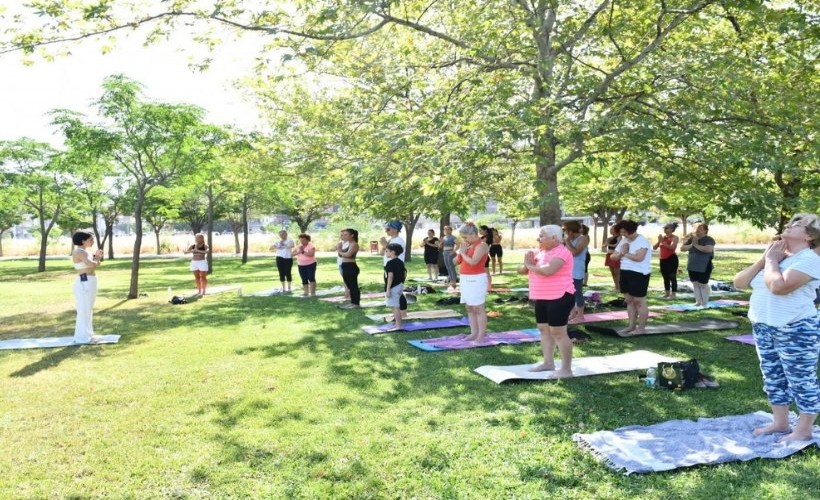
(79, 266)
(556, 285)
(578, 261)
(665, 253)
(477, 268)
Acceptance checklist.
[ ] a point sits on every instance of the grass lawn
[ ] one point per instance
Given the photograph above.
(278, 397)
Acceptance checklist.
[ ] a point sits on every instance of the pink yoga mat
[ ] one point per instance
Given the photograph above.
(457, 342)
(607, 316)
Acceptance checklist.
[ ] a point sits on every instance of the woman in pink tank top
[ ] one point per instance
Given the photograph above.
(549, 270)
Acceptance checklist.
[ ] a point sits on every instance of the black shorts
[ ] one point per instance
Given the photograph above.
(703, 277)
(554, 312)
(496, 251)
(634, 283)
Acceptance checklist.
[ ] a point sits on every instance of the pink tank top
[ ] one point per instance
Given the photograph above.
(555, 285)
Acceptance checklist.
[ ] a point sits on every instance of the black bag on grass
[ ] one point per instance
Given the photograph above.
(678, 374)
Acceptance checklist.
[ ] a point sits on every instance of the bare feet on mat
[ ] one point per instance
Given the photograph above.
(543, 367)
(479, 340)
(795, 436)
(624, 331)
(638, 331)
(771, 429)
(563, 374)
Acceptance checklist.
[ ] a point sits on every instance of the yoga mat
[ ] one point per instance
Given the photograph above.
(743, 339)
(321, 293)
(55, 342)
(216, 290)
(434, 314)
(607, 316)
(711, 305)
(581, 367)
(267, 293)
(684, 443)
(685, 327)
(371, 295)
(413, 326)
(457, 342)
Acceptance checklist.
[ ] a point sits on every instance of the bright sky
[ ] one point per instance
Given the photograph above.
(27, 93)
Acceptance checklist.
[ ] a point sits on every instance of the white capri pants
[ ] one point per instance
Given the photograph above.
(473, 289)
(199, 265)
(85, 292)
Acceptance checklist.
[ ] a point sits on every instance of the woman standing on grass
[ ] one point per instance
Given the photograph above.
(635, 253)
(448, 247)
(668, 243)
(431, 244)
(199, 263)
(284, 260)
(497, 251)
(701, 248)
(472, 257)
(549, 271)
(578, 245)
(306, 260)
(786, 325)
(85, 286)
(614, 266)
(347, 250)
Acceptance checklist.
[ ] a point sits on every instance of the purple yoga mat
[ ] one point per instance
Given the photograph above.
(502, 338)
(743, 339)
(411, 326)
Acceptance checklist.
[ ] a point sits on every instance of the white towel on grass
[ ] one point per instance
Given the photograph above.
(683, 443)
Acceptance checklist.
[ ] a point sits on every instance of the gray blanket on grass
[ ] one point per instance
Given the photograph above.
(683, 443)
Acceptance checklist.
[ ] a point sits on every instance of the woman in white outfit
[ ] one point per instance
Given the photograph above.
(85, 286)
(199, 263)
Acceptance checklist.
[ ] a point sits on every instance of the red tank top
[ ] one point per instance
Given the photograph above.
(477, 268)
(666, 252)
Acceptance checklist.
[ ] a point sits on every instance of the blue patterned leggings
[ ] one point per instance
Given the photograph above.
(788, 360)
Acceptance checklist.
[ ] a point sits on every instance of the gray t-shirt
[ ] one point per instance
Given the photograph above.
(699, 261)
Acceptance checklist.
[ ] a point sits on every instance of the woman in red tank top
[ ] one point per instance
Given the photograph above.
(471, 257)
(668, 243)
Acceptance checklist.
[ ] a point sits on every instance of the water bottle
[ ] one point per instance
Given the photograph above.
(651, 375)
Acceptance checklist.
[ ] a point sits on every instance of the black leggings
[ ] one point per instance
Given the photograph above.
(308, 273)
(350, 275)
(669, 271)
(284, 266)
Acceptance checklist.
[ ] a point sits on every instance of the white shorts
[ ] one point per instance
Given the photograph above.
(199, 265)
(473, 289)
(395, 296)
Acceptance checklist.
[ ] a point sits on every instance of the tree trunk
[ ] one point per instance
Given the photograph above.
(134, 289)
(245, 230)
(109, 229)
(549, 211)
(235, 231)
(1, 242)
(96, 230)
(156, 233)
(443, 221)
(512, 234)
(410, 225)
(210, 231)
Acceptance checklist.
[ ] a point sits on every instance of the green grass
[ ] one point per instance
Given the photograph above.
(231, 397)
